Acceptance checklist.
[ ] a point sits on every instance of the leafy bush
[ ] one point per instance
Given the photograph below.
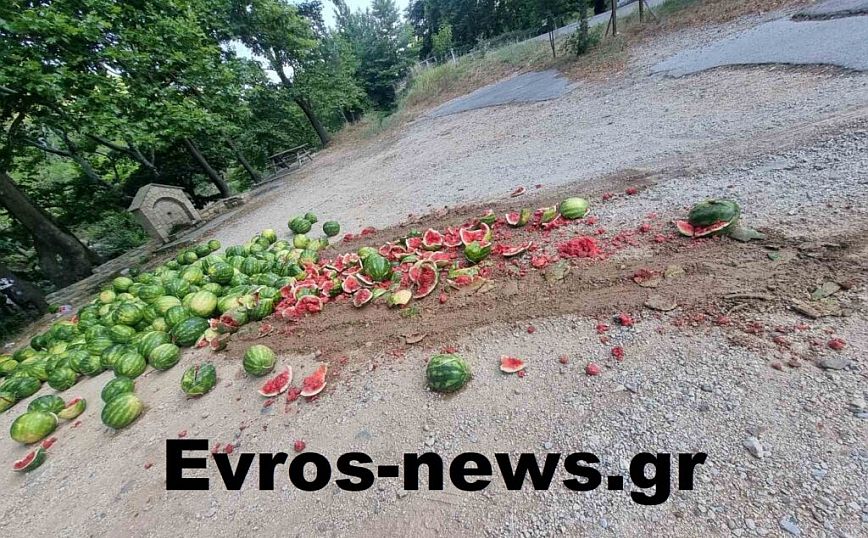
(582, 39)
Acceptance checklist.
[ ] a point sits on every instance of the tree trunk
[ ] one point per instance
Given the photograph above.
(212, 174)
(63, 258)
(18, 296)
(302, 103)
(254, 175)
(314, 120)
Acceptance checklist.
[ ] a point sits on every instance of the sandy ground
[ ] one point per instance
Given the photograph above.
(791, 145)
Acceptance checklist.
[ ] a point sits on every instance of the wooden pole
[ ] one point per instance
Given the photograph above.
(641, 10)
(614, 18)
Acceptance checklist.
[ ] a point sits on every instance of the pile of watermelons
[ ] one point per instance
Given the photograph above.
(142, 320)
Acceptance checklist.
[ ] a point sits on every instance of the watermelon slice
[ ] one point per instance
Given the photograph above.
(31, 461)
(511, 365)
(73, 408)
(432, 239)
(687, 229)
(425, 276)
(277, 384)
(518, 191)
(509, 252)
(362, 297)
(400, 298)
(314, 383)
(351, 284)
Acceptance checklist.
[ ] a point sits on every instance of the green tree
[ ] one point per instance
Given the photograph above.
(277, 31)
(441, 42)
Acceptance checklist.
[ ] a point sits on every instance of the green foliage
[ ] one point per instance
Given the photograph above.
(382, 46)
(582, 39)
(441, 42)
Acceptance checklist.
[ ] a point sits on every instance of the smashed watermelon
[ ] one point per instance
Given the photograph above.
(314, 383)
(277, 384)
(511, 365)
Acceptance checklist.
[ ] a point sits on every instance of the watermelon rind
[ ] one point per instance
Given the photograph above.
(31, 461)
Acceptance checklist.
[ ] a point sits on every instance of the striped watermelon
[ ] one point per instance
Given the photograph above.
(176, 315)
(164, 303)
(203, 304)
(164, 356)
(151, 340)
(129, 314)
(189, 331)
(199, 379)
(447, 373)
(33, 426)
(259, 360)
(221, 273)
(131, 364)
(23, 386)
(72, 409)
(122, 410)
(90, 365)
(110, 356)
(62, 378)
(48, 403)
(116, 387)
(121, 334)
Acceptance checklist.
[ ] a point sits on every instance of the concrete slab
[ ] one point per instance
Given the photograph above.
(841, 42)
(525, 88)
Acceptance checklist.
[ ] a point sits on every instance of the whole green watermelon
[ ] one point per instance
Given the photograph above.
(90, 365)
(299, 225)
(221, 273)
(62, 379)
(377, 267)
(151, 340)
(259, 360)
(199, 379)
(48, 403)
(203, 304)
(110, 356)
(131, 364)
(122, 284)
(164, 303)
(33, 426)
(22, 386)
(331, 228)
(164, 356)
(117, 386)
(573, 208)
(122, 410)
(447, 373)
(121, 334)
(188, 332)
(176, 315)
(129, 314)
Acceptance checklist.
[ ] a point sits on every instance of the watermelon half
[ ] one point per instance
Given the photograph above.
(277, 384)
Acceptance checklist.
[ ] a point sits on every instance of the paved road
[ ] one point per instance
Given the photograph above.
(841, 42)
(525, 88)
(834, 8)
(529, 87)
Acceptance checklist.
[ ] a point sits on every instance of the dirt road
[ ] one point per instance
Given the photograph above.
(732, 371)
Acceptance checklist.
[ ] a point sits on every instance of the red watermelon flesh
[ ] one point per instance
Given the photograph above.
(432, 239)
(426, 280)
(511, 365)
(314, 383)
(362, 297)
(277, 384)
(351, 284)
